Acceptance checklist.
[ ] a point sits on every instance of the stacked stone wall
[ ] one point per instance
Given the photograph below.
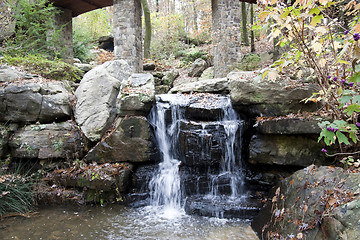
(128, 33)
(226, 35)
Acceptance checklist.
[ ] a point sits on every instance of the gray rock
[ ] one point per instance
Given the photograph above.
(217, 85)
(9, 74)
(197, 68)
(95, 108)
(319, 203)
(4, 138)
(35, 101)
(130, 142)
(207, 74)
(248, 91)
(170, 77)
(161, 89)
(47, 141)
(285, 150)
(84, 67)
(137, 95)
(288, 126)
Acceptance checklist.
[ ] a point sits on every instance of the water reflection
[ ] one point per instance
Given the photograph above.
(118, 222)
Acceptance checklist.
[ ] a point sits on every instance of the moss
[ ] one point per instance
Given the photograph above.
(38, 64)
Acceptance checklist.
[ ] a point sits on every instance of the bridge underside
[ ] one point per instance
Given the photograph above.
(128, 29)
(78, 7)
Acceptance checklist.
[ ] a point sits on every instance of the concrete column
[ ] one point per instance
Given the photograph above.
(128, 33)
(226, 35)
(63, 21)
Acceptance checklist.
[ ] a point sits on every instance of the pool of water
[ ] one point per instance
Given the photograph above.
(119, 222)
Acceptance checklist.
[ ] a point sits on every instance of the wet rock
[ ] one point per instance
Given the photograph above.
(35, 101)
(320, 203)
(199, 106)
(96, 95)
(197, 68)
(201, 144)
(298, 151)
(140, 194)
(222, 208)
(289, 126)
(137, 95)
(217, 85)
(47, 141)
(130, 142)
(270, 98)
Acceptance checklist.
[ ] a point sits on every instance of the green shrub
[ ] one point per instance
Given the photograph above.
(38, 64)
(250, 63)
(34, 32)
(189, 57)
(15, 194)
(87, 29)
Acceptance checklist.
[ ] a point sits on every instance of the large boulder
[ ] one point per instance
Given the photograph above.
(217, 85)
(47, 141)
(95, 108)
(197, 67)
(130, 142)
(137, 95)
(315, 204)
(298, 151)
(31, 101)
(251, 93)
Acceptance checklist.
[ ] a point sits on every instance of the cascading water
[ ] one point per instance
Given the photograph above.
(230, 167)
(203, 142)
(165, 184)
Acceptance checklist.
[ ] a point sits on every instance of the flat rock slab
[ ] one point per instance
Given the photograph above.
(271, 98)
(105, 177)
(289, 126)
(283, 150)
(47, 141)
(31, 101)
(217, 85)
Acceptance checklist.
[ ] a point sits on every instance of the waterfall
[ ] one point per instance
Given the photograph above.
(223, 130)
(165, 185)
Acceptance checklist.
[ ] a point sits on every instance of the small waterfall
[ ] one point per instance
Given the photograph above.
(213, 144)
(165, 184)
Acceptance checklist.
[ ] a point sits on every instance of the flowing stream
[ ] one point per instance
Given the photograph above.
(119, 223)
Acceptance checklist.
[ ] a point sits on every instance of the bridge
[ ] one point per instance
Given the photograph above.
(128, 29)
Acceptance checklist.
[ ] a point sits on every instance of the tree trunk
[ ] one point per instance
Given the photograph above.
(245, 38)
(147, 39)
(252, 37)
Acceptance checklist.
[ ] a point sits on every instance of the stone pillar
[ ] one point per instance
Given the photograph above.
(128, 33)
(226, 35)
(63, 21)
